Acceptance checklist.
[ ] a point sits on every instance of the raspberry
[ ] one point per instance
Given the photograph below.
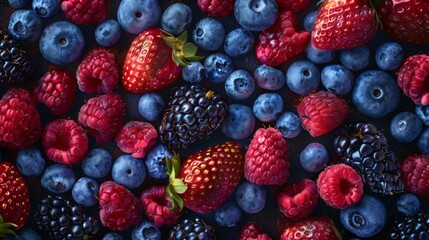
(57, 90)
(415, 172)
(322, 112)
(85, 11)
(136, 138)
(103, 116)
(65, 141)
(293, 5)
(413, 78)
(251, 231)
(98, 72)
(216, 8)
(299, 199)
(340, 186)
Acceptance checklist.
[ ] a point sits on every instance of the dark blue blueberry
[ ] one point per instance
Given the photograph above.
(289, 125)
(228, 214)
(239, 42)
(25, 25)
(193, 73)
(423, 113)
(151, 105)
(255, 15)
(208, 34)
(218, 66)
(388, 56)
(408, 204)
(318, 56)
(128, 171)
(366, 218)
(314, 158)
(112, 236)
(156, 161)
(58, 178)
(146, 231)
(355, 58)
(30, 162)
(239, 123)
(267, 107)
(25, 234)
(61, 43)
(85, 192)
(423, 141)
(375, 94)
(303, 77)
(239, 85)
(46, 8)
(138, 16)
(337, 79)
(97, 163)
(405, 127)
(18, 3)
(309, 20)
(176, 18)
(108, 33)
(269, 78)
(251, 197)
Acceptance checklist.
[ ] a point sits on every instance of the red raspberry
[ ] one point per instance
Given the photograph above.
(98, 72)
(322, 112)
(85, 11)
(136, 138)
(266, 160)
(65, 141)
(340, 186)
(103, 116)
(293, 5)
(299, 199)
(20, 125)
(157, 206)
(216, 8)
(57, 90)
(251, 231)
(415, 173)
(413, 78)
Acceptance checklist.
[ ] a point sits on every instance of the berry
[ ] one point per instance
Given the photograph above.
(239, 85)
(293, 5)
(85, 12)
(309, 20)
(156, 161)
(136, 17)
(416, 175)
(228, 214)
(108, 33)
(18, 3)
(314, 157)
(389, 55)
(128, 171)
(58, 178)
(423, 141)
(405, 127)
(146, 231)
(269, 78)
(289, 125)
(411, 227)
(112, 236)
(239, 122)
(251, 231)
(216, 8)
(337, 79)
(413, 77)
(255, 15)
(318, 56)
(303, 77)
(408, 204)
(239, 42)
(218, 67)
(422, 111)
(176, 18)
(30, 162)
(150, 106)
(355, 58)
(25, 25)
(208, 34)
(97, 163)
(251, 197)
(136, 138)
(192, 229)
(85, 192)
(267, 107)
(193, 73)
(314, 228)
(299, 199)
(25, 234)
(46, 9)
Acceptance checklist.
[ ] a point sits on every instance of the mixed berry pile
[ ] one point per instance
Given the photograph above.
(210, 119)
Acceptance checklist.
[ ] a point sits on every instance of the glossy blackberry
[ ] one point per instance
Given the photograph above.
(14, 65)
(192, 229)
(64, 220)
(365, 148)
(192, 113)
(410, 228)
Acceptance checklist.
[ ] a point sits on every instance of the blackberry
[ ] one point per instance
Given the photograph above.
(410, 228)
(63, 219)
(365, 148)
(195, 229)
(14, 65)
(192, 113)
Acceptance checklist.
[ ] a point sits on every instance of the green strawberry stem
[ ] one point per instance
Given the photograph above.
(183, 52)
(5, 228)
(176, 185)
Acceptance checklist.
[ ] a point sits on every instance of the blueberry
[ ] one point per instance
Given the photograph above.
(151, 105)
(61, 43)
(239, 123)
(112, 236)
(239, 42)
(128, 171)
(309, 20)
(251, 197)
(146, 231)
(25, 25)
(208, 34)
(228, 214)
(85, 192)
(108, 33)
(355, 58)
(318, 56)
(337, 79)
(97, 163)
(366, 218)
(314, 157)
(267, 107)
(30, 162)
(193, 73)
(388, 56)
(18, 3)
(423, 113)
(176, 18)
(375, 94)
(408, 204)
(58, 178)
(156, 161)
(138, 16)
(255, 15)
(239, 85)
(46, 8)
(423, 141)
(25, 234)
(289, 125)
(269, 78)
(217, 67)
(303, 77)
(405, 127)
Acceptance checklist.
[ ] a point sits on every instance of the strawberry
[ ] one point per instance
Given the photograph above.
(206, 178)
(293, 5)
(413, 78)
(299, 199)
(343, 24)
(85, 11)
(136, 138)
(314, 228)
(155, 59)
(216, 8)
(251, 231)
(415, 172)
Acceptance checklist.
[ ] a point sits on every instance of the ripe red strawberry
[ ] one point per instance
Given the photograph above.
(65, 141)
(14, 199)
(281, 42)
(299, 199)
(413, 78)
(136, 138)
(98, 72)
(293, 5)
(119, 208)
(251, 231)
(314, 228)
(20, 125)
(405, 20)
(340, 186)
(216, 8)
(157, 206)
(85, 11)
(415, 173)
(343, 24)
(266, 160)
(321, 112)
(206, 178)
(103, 116)
(155, 60)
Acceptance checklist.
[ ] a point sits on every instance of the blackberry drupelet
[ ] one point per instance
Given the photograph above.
(365, 148)
(192, 229)
(192, 113)
(64, 219)
(414, 227)
(14, 64)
